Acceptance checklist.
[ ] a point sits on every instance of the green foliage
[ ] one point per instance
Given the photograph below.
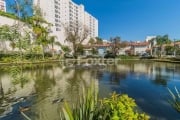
(2, 111)
(91, 41)
(23, 41)
(169, 50)
(9, 15)
(115, 44)
(175, 101)
(94, 51)
(65, 48)
(9, 57)
(119, 107)
(80, 49)
(178, 52)
(99, 40)
(83, 110)
(18, 76)
(162, 40)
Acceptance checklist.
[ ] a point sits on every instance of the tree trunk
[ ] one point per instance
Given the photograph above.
(43, 51)
(52, 50)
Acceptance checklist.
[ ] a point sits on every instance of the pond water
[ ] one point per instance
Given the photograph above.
(42, 88)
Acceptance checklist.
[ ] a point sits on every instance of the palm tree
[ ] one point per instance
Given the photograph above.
(52, 42)
(161, 40)
(40, 31)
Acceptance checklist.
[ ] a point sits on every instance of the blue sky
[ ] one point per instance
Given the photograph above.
(133, 20)
(11, 3)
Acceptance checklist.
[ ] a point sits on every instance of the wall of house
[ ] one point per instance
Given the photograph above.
(138, 50)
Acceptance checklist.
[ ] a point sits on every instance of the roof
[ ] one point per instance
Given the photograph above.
(140, 43)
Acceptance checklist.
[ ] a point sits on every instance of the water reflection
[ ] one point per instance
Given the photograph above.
(49, 84)
(160, 78)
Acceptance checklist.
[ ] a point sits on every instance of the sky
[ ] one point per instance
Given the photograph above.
(133, 20)
(10, 6)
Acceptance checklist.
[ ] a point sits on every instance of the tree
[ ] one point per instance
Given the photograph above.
(40, 29)
(80, 49)
(94, 51)
(91, 41)
(4, 36)
(115, 44)
(161, 40)
(75, 35)
(169, 49)
(99, 40)
(52, 42)
(123, 44)
(65, 48)
(22, 9)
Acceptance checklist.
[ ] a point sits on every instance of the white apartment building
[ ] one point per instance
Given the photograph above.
(92, 23)
(63, 13)
(2, 5)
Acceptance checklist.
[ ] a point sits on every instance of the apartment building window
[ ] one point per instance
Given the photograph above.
(56, 11)
(56, 16)
(56, 2)
(58, 29)
(56, 20)
(56, 7)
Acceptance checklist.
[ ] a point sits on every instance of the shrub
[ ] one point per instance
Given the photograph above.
(117, 107)
(9, 15)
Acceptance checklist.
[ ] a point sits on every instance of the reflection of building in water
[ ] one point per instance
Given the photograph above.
(14, 88)
(50, 84)
(142, 68)
(135, 67)
(68, 85)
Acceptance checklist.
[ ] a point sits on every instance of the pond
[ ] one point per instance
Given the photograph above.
(44, 87)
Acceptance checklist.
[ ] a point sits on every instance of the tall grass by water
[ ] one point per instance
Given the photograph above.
(175, 101)
(117, 107)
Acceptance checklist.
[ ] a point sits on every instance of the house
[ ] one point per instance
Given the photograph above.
(136, 48)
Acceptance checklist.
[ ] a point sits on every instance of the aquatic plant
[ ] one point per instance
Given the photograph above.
(117, 107)
(84, 109)
(175, 101)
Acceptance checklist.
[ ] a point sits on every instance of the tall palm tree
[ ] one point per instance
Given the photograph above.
(52, 42)
(40, 29)
(161, 40)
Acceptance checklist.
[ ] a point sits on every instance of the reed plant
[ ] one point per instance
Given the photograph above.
(84, 109)
(117, 107)
(175, 101)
